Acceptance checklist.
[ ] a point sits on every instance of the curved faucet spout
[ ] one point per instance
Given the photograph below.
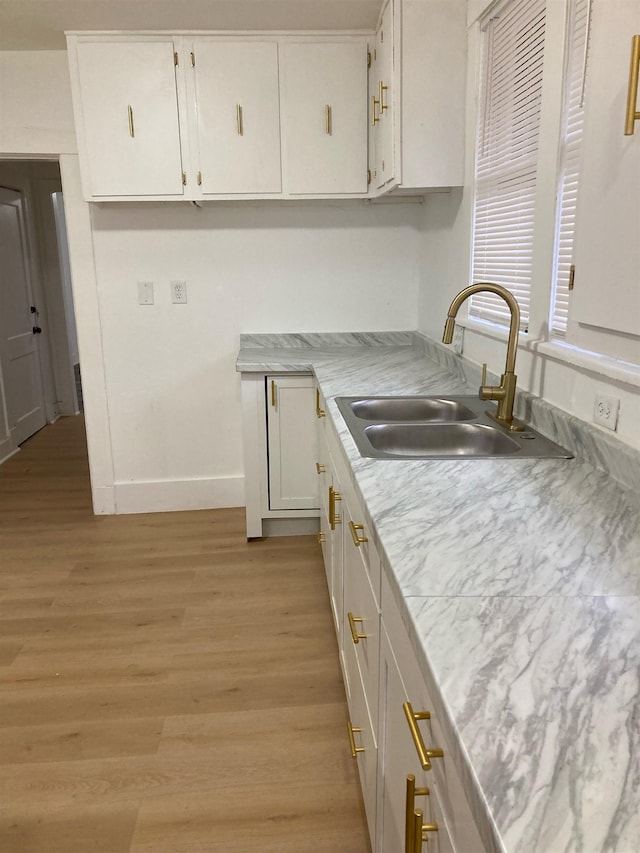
(504, 394)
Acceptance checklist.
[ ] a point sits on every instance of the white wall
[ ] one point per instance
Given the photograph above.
(173, 394)
(162, 399)
(35, 103)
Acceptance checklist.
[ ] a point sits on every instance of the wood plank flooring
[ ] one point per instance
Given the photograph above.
(165, 686)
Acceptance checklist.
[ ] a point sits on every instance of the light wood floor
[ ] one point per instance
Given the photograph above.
(166, 687)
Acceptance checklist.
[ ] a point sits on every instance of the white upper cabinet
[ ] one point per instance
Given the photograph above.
(606, 298)
(418, 78)
(324, 117)
(382, 88)
(127, 120)
(202, 115)
(237, 117)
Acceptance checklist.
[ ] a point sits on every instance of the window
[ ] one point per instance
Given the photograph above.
(507, 155)
(573, 120)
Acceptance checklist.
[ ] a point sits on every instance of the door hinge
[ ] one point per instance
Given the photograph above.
(368, 59)
(199, 179)
(184, 179)
(193, 59)
(176, 61)
(572, 276)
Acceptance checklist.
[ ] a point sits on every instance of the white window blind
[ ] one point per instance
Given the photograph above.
(569, 173)
(507, 155)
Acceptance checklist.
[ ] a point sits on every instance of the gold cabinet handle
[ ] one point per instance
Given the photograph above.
(320, 468)
(320, 413)
(333, 517)
(328, 129)
(132, 131)
(354, 631)
(274, 396)
(632, 95)
(321, 537)
(351, 731)
(239, 121)
(410, 804)
(383, 106)
(357, 540)
(420, 830)
(424, 755)
(374, 117)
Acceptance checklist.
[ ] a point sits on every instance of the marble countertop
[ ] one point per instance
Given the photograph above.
(519, 584)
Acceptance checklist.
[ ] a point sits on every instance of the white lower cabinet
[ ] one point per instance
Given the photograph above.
(402, 782)
(361, 736)
(384, 685)
(280, 450)
(292, 447)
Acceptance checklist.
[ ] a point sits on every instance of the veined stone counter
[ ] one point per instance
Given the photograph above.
(519, 584)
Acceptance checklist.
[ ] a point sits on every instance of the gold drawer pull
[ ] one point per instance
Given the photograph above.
(351, 731)
(633, 115)
(328, 120)
(320, 468)
(239, 120)
(420, 830)
(409, 826)
(320, 413)
(354, 631)
(357, 540)
(374, 117)
(424, 754)
(321, 537)
(333, 517)
(383, 106)
(132, 131)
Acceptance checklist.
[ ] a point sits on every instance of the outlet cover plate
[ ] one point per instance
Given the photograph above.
(179, 292)
(605, 411)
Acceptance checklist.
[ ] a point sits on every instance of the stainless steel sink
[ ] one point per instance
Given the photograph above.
(438, 427)
(453, 439)
(391, 409)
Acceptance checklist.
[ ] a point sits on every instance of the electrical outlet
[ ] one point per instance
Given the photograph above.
(605, 411)
(179, 292)
(145, 293)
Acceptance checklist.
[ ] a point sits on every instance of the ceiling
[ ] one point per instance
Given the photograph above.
(40, 24)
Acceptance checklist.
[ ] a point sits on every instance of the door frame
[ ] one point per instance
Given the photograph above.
(34, 296)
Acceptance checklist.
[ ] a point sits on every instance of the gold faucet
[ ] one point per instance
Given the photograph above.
(504, 393)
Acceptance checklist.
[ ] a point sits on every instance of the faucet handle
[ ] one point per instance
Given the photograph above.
(483, 378)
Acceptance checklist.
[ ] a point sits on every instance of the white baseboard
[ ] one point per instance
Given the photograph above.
(176, 495)
(104, 502)
(7, 450)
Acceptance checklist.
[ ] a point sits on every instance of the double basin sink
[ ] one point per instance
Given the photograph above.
(437, 427)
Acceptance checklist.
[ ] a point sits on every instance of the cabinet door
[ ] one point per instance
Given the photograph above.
(361, 624)
(324, 117)
(128, 124)
(385, 164)
(237, 106)
(397, 760)
(292, 443)
(607, 249)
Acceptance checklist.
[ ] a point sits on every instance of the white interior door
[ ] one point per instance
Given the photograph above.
(19, 357)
